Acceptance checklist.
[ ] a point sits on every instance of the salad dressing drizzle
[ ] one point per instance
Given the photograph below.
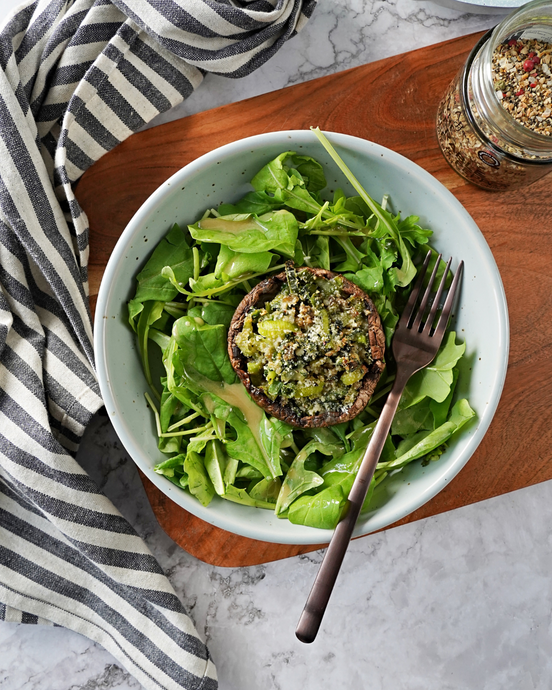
(236, 396)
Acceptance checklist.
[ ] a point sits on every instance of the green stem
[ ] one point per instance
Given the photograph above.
(186, 432)
(204, 438)
(177, 305)
(195, 252)
(333, 233)
(183, 421)
(155, 412)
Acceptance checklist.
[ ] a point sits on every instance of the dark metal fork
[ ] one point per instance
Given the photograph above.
(415, 343)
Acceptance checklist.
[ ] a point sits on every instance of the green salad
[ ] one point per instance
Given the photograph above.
(215, 439)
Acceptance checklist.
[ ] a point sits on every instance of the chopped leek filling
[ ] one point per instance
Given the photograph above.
(308, 348)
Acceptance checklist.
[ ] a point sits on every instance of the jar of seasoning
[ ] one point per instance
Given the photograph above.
(494, 124)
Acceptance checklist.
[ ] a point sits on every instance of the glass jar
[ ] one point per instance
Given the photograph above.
(479, 138)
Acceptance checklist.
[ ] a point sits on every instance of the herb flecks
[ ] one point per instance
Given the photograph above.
(309, 346)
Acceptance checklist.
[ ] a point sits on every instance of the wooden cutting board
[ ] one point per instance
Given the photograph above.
(392, 102)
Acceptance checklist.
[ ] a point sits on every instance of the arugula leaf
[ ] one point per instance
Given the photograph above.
(298, 479)
(241, 496)
(435, 380)
(266, 490)
(354, 259)
(199, 483)
(422, 443)
(412, 232)
(386, 223)
(215, 464)
(316, 251)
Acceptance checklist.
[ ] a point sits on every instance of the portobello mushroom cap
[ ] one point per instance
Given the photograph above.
(266, 291)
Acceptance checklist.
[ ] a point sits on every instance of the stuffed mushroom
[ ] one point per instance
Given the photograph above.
(309, 346)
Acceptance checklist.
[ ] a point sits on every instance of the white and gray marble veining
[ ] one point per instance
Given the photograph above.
(340, 34)
(460, 601)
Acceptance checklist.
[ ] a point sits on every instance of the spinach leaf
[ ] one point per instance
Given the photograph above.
(168, 466)
(245, 447)
(203, 349)
(274, 175)
(311, 171)
(323, 510)
(167, 407)
(289, 187)
(255, 203)
(440, 410)
(273, 434)
(249, 234)
(231, 471)
(411, 419)
(215, 313)
(232, 264)
(173, 251)
(204, 285)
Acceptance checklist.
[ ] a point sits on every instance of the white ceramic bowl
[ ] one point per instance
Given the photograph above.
(222, 175)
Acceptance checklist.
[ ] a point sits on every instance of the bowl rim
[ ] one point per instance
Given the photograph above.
(305, 535)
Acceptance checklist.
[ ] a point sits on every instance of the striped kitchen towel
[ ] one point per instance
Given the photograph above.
(76, 78)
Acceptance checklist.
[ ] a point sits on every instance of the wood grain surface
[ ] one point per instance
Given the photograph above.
(392, 102)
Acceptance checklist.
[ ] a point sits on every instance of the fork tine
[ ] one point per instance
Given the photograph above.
(445, 314)
(425, 298)
(408, 311)
(433, 311)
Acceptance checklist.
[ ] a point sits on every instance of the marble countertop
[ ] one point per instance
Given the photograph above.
(459, 601)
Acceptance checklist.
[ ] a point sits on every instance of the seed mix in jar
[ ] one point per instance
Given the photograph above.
(522, 79)
(475, 134)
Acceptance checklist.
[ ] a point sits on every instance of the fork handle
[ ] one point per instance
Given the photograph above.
(312, 614)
